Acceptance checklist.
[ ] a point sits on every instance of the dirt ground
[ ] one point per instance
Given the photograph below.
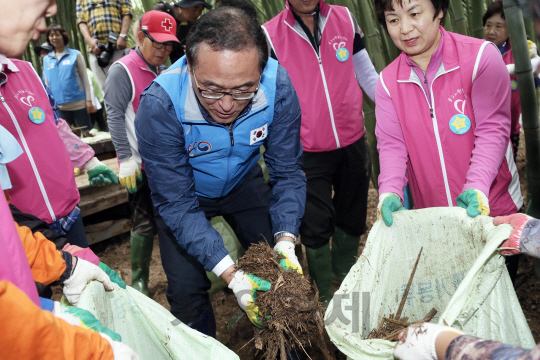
(116, 253)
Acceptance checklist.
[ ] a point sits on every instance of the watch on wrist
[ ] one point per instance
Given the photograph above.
(284, 233)
(124, 36)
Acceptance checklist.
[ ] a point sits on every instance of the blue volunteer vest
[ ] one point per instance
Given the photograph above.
(62, 76)
(220, 157)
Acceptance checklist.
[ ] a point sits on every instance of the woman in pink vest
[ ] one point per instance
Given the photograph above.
(443, 117)
(495, 30)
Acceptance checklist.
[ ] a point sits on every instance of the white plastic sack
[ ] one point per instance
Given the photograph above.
(147, 327)
(460, 274)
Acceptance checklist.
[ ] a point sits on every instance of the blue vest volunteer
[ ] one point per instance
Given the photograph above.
(62, 76)
(220, 156)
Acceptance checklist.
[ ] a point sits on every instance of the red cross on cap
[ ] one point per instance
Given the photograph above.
(167, 24)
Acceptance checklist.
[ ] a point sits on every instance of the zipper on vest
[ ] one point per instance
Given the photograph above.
(231, 136)
(425, 82)
(431, 112)
(30, 158)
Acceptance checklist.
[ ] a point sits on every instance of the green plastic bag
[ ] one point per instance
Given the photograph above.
(460, 274)
(147, 327)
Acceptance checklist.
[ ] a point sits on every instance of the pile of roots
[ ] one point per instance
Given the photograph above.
(291, 312)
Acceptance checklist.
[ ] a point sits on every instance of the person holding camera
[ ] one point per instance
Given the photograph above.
(104, 26)
(64, 72)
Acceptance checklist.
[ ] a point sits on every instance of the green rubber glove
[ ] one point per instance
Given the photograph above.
(245, 289)
(388, 203)
(475, 201)
(115, 278)
(86, 319)
(102, 176)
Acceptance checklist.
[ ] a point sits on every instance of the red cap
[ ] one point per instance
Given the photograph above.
(160, 25)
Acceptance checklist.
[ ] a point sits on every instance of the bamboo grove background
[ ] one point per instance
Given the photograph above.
(464, 17)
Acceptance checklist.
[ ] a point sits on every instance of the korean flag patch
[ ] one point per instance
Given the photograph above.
(258, 134)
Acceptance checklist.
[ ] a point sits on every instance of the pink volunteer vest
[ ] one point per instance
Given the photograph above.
(452, 96)
(508, 58)
(42, 177)
(139, 73)
(299, 58)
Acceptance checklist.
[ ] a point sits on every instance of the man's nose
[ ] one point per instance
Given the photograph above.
(227, 102)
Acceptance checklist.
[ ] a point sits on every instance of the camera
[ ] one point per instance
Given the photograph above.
(107, 50)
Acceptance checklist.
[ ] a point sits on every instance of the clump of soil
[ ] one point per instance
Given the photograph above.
(291, 311)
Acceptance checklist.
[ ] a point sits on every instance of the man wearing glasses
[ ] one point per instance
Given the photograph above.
(200, 126)
(126, 80)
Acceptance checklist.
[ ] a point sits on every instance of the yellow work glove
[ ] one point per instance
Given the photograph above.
(130, 173)
(475, 201)
(532, 49)
(245, 289)
(286, 248)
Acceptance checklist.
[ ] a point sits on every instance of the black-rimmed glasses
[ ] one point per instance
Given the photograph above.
(168, 45)
(216, 95)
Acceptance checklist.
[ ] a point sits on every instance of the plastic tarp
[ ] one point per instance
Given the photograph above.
(460, 274)
(147, 327)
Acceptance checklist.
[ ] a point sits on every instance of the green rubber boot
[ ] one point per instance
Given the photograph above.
(344, 251)
(141, 253)
(320, 271)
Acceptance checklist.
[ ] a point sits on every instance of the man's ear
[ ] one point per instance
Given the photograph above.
(141, 37)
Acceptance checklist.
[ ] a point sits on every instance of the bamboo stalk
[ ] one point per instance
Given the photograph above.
(460, 21)
(529, 107)
(477, 11)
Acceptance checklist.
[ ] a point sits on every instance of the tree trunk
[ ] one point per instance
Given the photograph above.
(529, 107)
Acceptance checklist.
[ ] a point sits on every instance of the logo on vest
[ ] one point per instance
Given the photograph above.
(258, 134)
(199, 147)
(26, 97)
(36, 115)
(513, 85)
(460, 123)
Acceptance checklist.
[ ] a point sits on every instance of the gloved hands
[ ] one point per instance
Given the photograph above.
(532, 49)
(418, 341)
(245, 288)
(388, 203)
(130, 173)
(121, 351)
(82, 274)
(475, 201)
(80, 317)
(99, 174)
(286, 248)
(512, 245)
(113, 276)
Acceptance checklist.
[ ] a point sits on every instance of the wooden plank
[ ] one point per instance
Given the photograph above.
(106, 230)
(105, 199)
(102, 147)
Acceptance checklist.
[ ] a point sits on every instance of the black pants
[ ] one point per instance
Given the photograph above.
(347, 171)
(246, 209)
